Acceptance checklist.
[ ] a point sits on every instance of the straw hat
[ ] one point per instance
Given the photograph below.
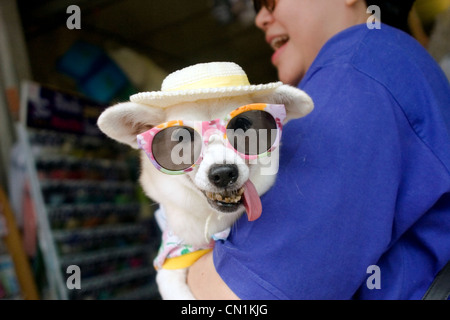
(202, 81)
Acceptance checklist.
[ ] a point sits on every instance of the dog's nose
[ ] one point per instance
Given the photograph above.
(223, 175)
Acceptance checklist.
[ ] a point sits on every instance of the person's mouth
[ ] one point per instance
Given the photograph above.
(277, 43)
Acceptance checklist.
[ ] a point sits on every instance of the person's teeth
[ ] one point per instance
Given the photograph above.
(277, 42)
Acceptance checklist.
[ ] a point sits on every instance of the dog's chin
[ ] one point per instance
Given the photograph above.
(225, 202)
(226, 208)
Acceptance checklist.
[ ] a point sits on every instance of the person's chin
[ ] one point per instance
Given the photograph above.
(287, 75)
(290, 67)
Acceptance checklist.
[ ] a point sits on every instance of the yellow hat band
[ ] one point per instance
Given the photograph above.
(215, 82)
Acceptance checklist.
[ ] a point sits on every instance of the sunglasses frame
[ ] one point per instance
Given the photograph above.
(212, 127)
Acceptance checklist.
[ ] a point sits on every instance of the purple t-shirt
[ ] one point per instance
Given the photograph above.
(361, 205)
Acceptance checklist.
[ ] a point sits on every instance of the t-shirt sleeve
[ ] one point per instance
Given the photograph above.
(340, 200)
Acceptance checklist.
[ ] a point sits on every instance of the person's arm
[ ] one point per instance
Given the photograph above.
(206, 283)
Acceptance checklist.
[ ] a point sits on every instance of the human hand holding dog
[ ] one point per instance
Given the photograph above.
(205, 283)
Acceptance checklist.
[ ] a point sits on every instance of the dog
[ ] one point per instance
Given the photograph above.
(208, 145)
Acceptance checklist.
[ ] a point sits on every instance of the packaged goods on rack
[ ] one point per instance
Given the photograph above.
(16, 281)
(9, 287)
(90, 208)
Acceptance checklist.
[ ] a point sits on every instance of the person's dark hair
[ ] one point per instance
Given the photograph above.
(394, 12)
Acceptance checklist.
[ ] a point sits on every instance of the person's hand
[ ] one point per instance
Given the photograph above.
(205, 283)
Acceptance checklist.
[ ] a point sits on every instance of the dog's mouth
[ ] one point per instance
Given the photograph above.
(230, 201)
(227, 201)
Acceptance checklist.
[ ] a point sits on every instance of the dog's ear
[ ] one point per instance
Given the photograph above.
(298, 103)
(123, 121)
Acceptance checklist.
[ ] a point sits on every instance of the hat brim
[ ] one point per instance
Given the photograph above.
(164, 99)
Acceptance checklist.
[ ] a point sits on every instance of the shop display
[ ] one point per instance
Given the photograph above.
(9, 287)
(16, 279)
(90, 210)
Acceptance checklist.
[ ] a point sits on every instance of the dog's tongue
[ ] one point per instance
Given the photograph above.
(252, 202)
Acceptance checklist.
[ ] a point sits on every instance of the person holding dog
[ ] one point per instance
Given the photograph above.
(361, 205)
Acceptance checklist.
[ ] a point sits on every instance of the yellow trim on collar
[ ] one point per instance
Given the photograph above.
(185, 260)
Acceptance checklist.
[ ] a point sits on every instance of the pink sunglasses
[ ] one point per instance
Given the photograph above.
(252, 131)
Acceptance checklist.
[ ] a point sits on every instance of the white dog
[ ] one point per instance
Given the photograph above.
(208, 141)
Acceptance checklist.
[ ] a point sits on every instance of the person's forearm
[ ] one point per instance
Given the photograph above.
(205, 283)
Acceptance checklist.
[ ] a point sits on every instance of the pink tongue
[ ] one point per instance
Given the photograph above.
(252, 202)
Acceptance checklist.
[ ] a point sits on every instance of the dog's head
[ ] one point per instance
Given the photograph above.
(222, 182)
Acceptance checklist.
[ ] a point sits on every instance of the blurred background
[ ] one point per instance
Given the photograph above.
(148, 39)
(68, 195)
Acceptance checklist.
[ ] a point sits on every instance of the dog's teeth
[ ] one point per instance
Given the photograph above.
(234, 199)
(230, 197)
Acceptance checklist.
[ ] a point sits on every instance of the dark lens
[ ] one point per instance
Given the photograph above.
(257, 5)
(252, 132)
(269, 4)
(176, 148)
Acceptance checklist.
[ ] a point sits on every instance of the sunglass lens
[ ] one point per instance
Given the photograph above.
(252, 132)
(268, 4)
(257, 5)
(176, 148)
